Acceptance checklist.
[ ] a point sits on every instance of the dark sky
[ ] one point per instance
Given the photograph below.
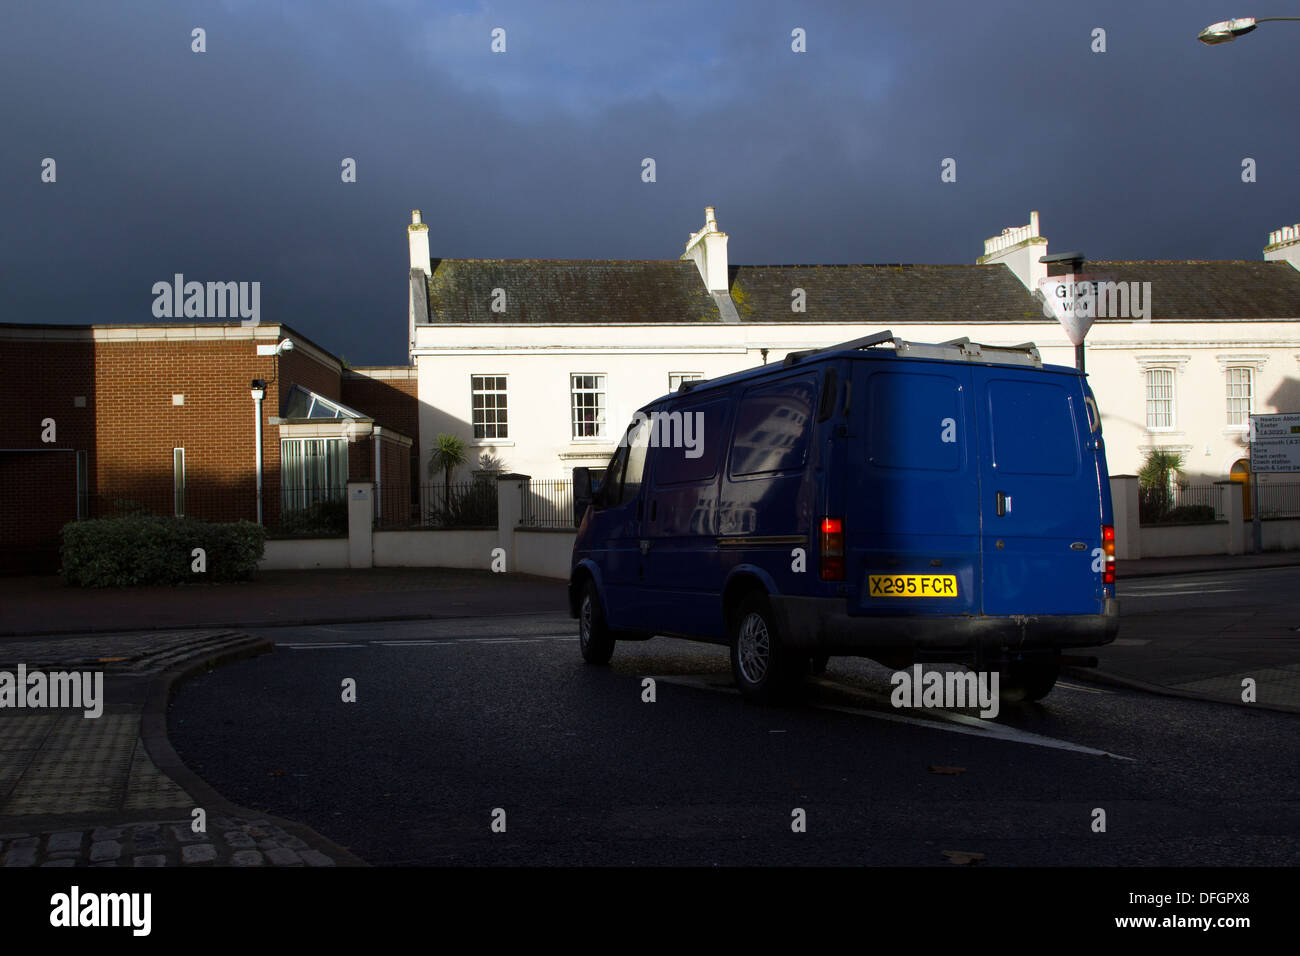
(225, 165)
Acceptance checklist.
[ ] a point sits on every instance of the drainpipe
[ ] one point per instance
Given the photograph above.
(258, 390)
(378, 477)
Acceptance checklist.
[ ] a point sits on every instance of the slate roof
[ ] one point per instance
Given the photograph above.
(570, 290)
(1188, 290)
(671, 291)
(883, 294)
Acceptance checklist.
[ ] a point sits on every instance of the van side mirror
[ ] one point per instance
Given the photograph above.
(582, 493)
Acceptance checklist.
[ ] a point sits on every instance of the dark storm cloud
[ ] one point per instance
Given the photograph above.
(225, 165)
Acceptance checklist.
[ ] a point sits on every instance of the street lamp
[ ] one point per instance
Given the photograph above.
(1226, 31)
(257, 388)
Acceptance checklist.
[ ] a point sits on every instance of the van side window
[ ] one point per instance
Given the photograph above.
(637, 439)
(611, 485)
(916, 422)
(689, 440)
(772, 426)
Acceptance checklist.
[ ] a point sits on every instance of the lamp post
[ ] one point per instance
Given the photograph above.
(1225, 31)
(258, 390)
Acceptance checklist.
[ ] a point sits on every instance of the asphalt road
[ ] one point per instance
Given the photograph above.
(455, 719)
(1264, 587)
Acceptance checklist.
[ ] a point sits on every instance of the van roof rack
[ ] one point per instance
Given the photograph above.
(962, 349)
(953, 350)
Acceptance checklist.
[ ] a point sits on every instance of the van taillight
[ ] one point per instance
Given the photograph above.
(832, 549)
(1108, 549)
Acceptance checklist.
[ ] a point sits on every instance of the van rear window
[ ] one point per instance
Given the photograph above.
(916, 422)
(772, 426)
(1033, 425)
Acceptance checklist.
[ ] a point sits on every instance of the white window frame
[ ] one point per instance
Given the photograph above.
(601, 422)
(502, 428)
(1172, 400)
(683, 377)
(1249, 396)
(178, 482)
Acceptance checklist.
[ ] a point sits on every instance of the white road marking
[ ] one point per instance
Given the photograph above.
(1086, 690)
(1153, 594)
(411, 643)
(938, 720)
(313, 647)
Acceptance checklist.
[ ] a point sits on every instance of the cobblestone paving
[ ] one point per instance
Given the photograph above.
(59, 763)
(229, 841)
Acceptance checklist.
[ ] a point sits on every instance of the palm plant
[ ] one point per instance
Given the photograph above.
(449, 453)
(1155, 481)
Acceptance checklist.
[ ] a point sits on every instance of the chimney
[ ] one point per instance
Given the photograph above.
(417, 236)
(708, 248)
(1019, 248)
(1284, 245)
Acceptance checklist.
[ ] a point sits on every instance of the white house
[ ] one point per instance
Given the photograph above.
(541, 362)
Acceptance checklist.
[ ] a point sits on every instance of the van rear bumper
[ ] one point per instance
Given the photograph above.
(823, 625)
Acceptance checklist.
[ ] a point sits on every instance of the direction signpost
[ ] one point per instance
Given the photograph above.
(1274, 448)
(1072, 301)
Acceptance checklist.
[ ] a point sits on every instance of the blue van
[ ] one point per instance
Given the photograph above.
(887, 499)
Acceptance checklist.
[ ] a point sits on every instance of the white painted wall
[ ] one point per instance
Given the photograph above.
(537, 360)
(544, 553)
(435, 549)
(304, 554)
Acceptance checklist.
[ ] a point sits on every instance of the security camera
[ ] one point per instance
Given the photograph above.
(285, 345)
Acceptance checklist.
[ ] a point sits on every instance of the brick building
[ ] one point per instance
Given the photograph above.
(162, 417)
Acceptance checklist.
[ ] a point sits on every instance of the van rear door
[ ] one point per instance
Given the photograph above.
(913, 516)
(1040, 501)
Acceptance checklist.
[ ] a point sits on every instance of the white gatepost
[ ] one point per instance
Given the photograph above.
(1231, 501)
(1127, 518)
(361, 524)
(510, 511)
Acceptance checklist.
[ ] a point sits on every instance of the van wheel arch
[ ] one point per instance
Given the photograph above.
(579, 581)
(737, 590)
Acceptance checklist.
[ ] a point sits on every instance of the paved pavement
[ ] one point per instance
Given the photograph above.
(42, 605)
(79, 789)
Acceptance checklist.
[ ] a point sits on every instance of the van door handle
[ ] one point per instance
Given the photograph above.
(1004, 504)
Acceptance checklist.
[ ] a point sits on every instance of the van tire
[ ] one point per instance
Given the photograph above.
(594, 638)
(763, 668)
(1030, 678)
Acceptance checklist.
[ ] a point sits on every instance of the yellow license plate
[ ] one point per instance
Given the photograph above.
(912, 585)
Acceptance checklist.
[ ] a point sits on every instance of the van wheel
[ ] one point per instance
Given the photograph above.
(761, 666)
(594, 639)
(1030, 678)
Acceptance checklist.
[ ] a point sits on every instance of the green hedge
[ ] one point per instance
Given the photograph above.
(147, 549)
(1188, 514)
(326, 519)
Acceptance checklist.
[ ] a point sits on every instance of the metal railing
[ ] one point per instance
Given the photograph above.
(435, 504)
(546, 503)
(1277, 499)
